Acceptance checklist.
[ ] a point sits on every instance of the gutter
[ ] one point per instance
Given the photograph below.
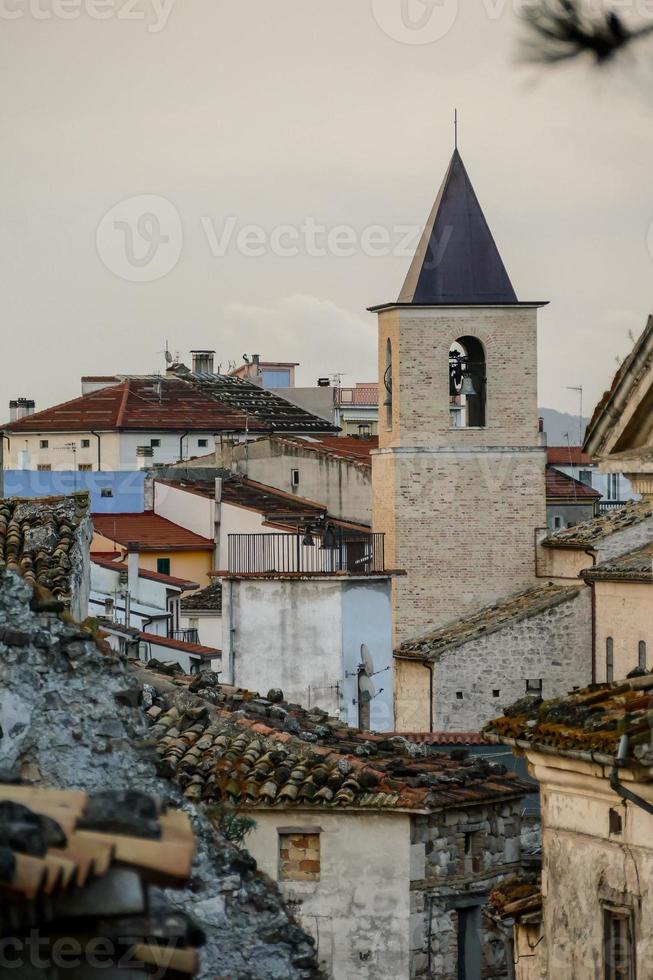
(99, 450)
(181, 446)
(619, 788)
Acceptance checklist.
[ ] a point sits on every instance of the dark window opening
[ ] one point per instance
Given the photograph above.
(155, 443)
(202, 443)
(387, 382)
(86, 443)
(615, 822)
(459, 695)
(609, 659)
(642, 654)
(496, 693)
(469, 943)
(467, 383)
(534, 686)
(43, 444)
(106, 492)
(163, 566)
(618, 944)
(294, 478)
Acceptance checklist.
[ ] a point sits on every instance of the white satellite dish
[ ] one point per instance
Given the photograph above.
(366, 658)
(366, 688)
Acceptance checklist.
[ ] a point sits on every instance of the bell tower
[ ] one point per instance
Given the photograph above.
(458, 479)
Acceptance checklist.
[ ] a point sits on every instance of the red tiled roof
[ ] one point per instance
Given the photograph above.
(559, 486)
(179, 404)
(150, 531)
(121, 566)
(344, 447)
(195, 648)
(568, 456)
(444, 738)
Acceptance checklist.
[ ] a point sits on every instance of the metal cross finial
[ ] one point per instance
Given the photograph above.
(455, 128)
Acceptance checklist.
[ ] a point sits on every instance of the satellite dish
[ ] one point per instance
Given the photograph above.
(366, 657)
(366, 688)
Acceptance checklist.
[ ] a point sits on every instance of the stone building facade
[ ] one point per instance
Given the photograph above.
(457, 678)
(458, 480)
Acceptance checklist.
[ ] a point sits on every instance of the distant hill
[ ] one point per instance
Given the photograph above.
(558, 424)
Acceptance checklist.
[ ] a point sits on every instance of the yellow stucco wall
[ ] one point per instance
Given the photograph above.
(192, 565)
(623, 612)
(412, 696)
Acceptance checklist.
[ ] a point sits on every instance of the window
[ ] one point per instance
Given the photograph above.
(459, 695)
(615, 822)
(642, 654)
(613, 486)
(364, 430)
(557, 522)
(106, 492)
(44, 467)
(43, 444)
(496, 693)
(585, 476)
(618, 944)
(279, 378)
(609, 659)
(534, 686)
(202, 443)
(473, 846)
(299, 856)
(163, 566)
(85, 443)
(155, 443)
(387, 383)
(294, 478)
(193, 622)
(85, 467)
(467, 383)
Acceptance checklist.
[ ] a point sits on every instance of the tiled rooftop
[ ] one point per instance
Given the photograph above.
(591, 721)
(207, 598)
(636, 566)
(567, 456)
(352, 448)
(518, 897)
(559, 486)
(189, 403)
(591, 532)
(223, 744)
(121, 566)
(150, 531)
(37, 538)
(487, 620)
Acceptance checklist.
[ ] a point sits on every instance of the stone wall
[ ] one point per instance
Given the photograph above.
(555, 646)
(463, 853)
(69, 717)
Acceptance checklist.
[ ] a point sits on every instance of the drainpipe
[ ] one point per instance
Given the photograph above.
(619, 788)
(99, 450)
(429, 666)
(232, 636)
(181, 445)
(592, 554)
(3, 436)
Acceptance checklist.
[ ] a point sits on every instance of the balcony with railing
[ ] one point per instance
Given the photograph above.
(186, 636)
(306, 553)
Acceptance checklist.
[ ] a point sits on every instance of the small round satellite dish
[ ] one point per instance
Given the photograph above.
(366, 688)
(366, 658)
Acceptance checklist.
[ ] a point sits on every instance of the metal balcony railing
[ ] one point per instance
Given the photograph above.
(605, 506)
(186, 636)
(338, 551)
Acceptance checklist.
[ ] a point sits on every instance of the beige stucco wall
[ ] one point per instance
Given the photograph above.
(624, 612)
(412, 696)
(459, 507)
(194, 566)
(359, 910)
(562, 564)
(586, 868)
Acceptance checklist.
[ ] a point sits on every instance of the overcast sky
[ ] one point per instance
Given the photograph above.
(291, 116)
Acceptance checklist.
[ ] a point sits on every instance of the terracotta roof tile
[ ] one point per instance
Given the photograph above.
(488, 620)
(38, 536)
(591, 532)
(208, 598)
(636, 566)
(218, 755)
(150, 531)
(559, 486)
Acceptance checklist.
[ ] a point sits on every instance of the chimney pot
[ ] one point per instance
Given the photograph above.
(203, 361)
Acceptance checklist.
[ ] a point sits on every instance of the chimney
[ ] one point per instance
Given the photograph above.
(133, 556)
(13, 410)
(203, 361)
(22, 407)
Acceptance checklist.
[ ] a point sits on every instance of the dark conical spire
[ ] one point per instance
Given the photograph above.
(457, 261)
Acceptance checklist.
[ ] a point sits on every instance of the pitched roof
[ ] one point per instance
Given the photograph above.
(599, 528)
(523, 605)
(568, 456)
(457, 260)
(195, 649)
(192, 403)
(351, 448)
(559, 486)
(121, 566)
(591, 721)
(150, 531)
(218, 756)
(636, 566)
(38, 536)
(518, 897)
(627, 396)
(208, 598)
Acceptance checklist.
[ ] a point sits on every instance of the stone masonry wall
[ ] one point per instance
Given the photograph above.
(463, 854)
(555, 645)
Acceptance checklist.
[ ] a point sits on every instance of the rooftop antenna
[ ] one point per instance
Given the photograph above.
(579, 389)
(169, 359)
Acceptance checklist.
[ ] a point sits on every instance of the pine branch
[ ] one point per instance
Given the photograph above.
(560, 30)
